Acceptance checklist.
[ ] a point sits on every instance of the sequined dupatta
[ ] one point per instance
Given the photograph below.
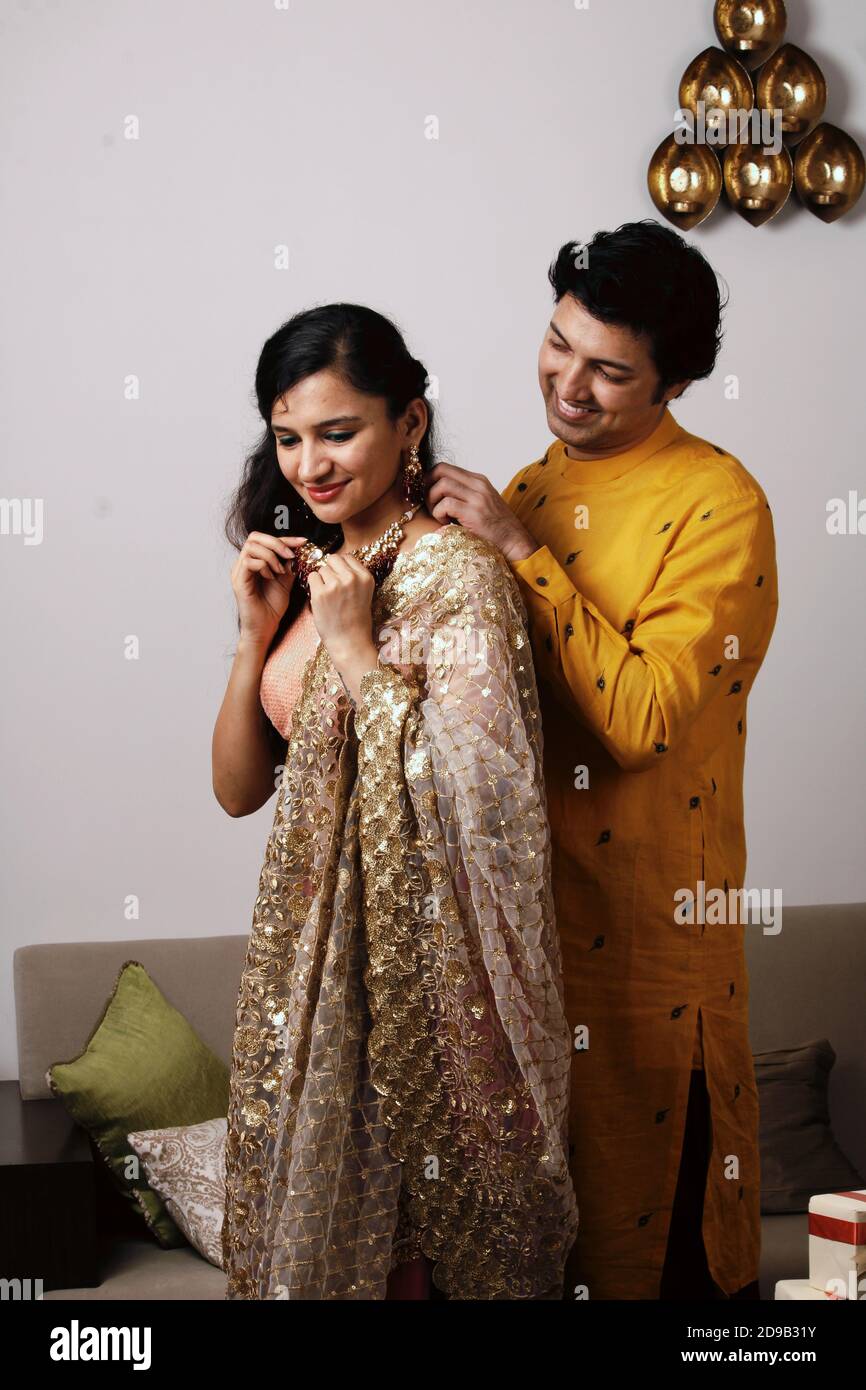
(399, 1075)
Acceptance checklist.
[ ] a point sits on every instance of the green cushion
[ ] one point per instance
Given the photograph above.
(143, 1067)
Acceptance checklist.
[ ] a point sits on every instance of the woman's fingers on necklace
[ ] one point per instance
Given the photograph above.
(271, 549)
(350, 565)
(259, 558)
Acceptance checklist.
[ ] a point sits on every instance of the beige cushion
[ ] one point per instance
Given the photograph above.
(186, 1165)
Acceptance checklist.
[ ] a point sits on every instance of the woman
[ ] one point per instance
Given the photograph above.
(399, 1070)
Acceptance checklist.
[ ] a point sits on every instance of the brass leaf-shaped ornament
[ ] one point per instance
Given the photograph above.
(684, 181)
(750, 30)
(829, 172)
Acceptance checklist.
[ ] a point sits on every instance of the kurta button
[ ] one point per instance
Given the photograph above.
(541, 579)
(736, 688)
(603, 837)
(660, 1114)
(731, 989)
(569, 630)
(736, 1090)
(660, 747)
(642, 1220)
(521, 487)
(572, 557)
(694, 801)
(600, 682)
(548, 644)
(675, 1013)
(598, 943)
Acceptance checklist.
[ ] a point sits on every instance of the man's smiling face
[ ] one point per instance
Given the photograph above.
(599, 383)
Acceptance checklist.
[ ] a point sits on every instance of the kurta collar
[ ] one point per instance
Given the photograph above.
(604, 470)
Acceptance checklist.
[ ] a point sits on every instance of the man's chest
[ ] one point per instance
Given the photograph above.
(611, 544)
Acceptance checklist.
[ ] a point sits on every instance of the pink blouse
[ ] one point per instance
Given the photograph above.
(284, 669)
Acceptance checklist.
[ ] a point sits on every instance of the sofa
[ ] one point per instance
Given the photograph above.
(809, 982)
(805, 983)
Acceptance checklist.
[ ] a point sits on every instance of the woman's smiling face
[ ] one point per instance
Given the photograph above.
(338, 447)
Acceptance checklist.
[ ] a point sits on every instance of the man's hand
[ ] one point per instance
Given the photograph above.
(456, 494)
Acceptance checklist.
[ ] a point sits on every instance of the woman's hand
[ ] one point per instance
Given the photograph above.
(262, 580)
(341, 598)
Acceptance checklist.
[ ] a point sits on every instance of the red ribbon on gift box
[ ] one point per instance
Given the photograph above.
(833, 1228)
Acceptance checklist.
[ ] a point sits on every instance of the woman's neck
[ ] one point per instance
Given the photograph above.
(368, 526)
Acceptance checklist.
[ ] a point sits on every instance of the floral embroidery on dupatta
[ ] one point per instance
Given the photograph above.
(399, 1078)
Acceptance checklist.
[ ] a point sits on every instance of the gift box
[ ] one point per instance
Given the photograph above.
(797, 1289)
(837, 1243)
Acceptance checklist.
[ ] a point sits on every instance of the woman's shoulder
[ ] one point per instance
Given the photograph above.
(463, 567)
(453, 546)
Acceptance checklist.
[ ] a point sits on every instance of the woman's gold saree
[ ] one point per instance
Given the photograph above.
(399, 1078)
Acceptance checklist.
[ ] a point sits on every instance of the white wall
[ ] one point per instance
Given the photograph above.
(154, 257)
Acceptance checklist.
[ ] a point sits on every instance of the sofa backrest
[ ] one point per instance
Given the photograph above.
(61, 991)
(808, 982)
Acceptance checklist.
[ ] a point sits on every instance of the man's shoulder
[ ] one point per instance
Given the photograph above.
(702, 469)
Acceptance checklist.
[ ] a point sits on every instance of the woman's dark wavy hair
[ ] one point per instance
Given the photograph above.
(369, 352)
(648, 278)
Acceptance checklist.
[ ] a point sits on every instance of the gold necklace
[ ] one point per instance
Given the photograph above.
(378, 555)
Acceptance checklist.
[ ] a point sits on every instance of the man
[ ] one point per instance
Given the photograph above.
(646, 558)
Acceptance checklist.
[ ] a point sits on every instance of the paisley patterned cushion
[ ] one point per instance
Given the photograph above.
(186, 1165)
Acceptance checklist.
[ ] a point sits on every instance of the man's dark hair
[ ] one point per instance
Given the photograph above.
(649, 279)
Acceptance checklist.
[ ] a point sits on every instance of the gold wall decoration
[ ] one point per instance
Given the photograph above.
(829, 172)
(757, 181)
(750, 30)
(723, 85)
(684, 181)
(762, 99)
(793, 83)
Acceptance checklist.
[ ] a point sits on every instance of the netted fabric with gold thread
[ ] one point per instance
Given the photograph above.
(399, 1079)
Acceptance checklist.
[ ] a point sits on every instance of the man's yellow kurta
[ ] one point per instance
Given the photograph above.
(652, 598)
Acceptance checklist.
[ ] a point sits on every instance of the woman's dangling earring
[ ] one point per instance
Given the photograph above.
(413, 475)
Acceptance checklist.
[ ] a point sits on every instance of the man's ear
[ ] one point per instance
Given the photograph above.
(674, 392)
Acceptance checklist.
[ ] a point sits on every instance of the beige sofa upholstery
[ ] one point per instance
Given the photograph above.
(805, 983)
(60, 992)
